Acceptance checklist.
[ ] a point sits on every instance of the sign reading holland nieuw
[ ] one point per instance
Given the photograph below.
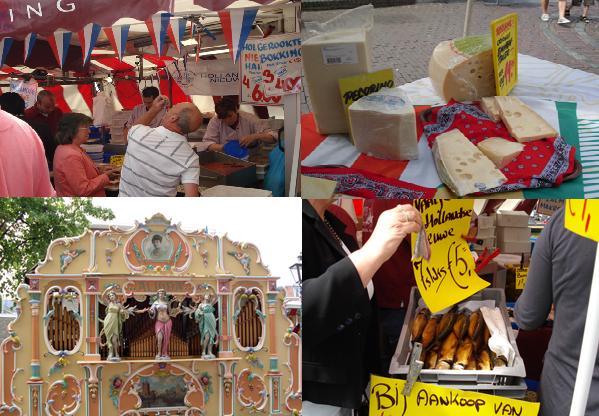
(18, 18)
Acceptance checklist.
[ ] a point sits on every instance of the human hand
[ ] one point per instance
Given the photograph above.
(392, 227)
(247, 140)
(113, 173)
(159, 103)
(216, 147)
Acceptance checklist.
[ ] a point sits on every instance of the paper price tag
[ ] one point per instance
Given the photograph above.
(504, 35)
(521, 275)
(449, 276)
(582, 217)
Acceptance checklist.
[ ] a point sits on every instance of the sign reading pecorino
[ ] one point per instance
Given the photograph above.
(18, 18)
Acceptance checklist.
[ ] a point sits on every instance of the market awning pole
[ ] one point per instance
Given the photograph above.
(467, 19)
(588, 352)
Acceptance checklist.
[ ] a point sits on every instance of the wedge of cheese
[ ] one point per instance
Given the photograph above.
(489, 106)
(522, 122)
(462, 167)
(383, 125)
(500, 151)
(327, 58)
(462, 69)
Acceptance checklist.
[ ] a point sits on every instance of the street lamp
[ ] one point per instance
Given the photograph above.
(296, 271)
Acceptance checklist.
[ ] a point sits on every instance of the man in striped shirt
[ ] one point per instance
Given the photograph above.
(159, 159)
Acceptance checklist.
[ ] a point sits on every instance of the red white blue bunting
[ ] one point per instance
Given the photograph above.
(29, 44)
(237, 25)
(176, 32)
(60, 43)
(88, 38)
(118, 38)
(5, 45)
(158, 27)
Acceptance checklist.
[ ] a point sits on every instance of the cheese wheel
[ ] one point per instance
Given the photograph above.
(462, 69)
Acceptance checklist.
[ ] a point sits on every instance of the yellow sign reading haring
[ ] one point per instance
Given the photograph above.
(504, 35)
(582, 217)
(521, 275)
(448, 276)
(427, 399)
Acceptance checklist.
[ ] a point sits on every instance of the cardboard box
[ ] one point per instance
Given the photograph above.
(513, 234)
(514, 246)
(486, 221)
(512, 219)
(486, 232)
(487, 243)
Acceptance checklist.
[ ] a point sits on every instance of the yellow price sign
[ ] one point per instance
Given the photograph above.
(521, 275)
(117, 160)
(428, 399)
(582, 217)
(504, 35)
(449, 276)
(358, 86)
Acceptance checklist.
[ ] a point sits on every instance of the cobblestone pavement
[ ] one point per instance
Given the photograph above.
(405, 36)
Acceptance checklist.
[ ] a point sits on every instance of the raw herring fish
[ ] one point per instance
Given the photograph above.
(422, 248)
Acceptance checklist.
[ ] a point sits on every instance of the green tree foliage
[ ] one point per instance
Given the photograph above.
(28, 225)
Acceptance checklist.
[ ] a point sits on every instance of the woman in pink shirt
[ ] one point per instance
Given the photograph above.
(75, 174)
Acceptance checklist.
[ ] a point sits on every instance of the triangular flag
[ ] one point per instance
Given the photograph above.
(29, 44)
(176, 32)
(158, 27)
(88, 38)
(118, 38)
(237, 25)
(60, 43)
(5, 45)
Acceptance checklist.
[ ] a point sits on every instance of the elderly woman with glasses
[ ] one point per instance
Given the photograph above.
(75, 174)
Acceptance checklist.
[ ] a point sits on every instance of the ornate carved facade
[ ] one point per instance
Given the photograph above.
(55, 361)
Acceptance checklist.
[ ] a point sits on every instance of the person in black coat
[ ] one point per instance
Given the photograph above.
(339, 330)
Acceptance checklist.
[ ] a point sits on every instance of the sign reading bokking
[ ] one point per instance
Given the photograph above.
(271, 67)
(428, 399)
(449, 276)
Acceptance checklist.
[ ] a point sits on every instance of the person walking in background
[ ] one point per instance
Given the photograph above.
(562, 11)
(584, 17)
(560, 274)
(23, 166)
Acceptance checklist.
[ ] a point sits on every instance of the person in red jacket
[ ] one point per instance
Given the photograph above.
(45, 111)
(75, 174)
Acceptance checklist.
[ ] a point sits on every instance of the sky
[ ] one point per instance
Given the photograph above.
(272, 224)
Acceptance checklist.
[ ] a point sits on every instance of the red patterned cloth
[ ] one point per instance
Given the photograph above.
(542, 163)
(357, 182)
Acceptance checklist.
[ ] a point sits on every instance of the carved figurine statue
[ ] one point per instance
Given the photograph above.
(204, 316)
(116, 314)
(162, 311)
(242, 258)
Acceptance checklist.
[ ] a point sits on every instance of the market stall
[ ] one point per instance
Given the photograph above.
(97, 62)
(373, 138)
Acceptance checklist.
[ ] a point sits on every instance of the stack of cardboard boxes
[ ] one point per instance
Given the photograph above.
(513, 234)
(486, 232)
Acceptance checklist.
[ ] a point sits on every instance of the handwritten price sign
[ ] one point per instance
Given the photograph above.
(271, 67)
(448, 276)
(427, 399)
(504, 34)
(582, 217)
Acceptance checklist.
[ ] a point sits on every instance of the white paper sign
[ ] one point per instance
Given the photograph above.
(270, 68)
(209, 78)
(27, 90)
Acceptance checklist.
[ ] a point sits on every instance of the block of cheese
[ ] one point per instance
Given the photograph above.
(522, 122)
(326, 58)
(462, 69)
(499, 150)
(462, 167)
(489, 106)
(383, 125)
